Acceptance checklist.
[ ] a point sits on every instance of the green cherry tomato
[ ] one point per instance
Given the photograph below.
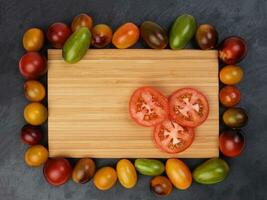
(183, 29)
(212, 171)
(149, 167)
(235, 117)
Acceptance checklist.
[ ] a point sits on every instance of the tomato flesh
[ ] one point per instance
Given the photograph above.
(188, 107)
(172, 137)
(148, 107)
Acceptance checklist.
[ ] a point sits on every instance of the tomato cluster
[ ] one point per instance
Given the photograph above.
(173, 119)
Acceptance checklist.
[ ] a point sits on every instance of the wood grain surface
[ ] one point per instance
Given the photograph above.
(88, 101)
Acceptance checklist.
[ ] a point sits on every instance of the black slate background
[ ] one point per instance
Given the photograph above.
(247, 18)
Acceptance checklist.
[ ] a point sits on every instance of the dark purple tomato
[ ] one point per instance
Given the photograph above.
(235, 117)
(229, 96)
(57, 171)
(57, 34)
(232, 143)
(232, 50)
(206, 36)
(32, 65)
(30, 135)
(101, 35)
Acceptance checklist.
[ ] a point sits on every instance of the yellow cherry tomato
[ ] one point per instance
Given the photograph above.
(126, 173)
(231, 74)
(36, 155)
(35, 114)
(34, 90)
(33, 39)
(179, 174)
(105, 178)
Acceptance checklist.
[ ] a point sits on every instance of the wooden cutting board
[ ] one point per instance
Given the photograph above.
(88, 101)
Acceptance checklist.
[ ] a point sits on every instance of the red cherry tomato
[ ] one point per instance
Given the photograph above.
(57, 171)
(57, 34)
(148, 107)
(233, 50)
(232, 143)
(32, 65)
(30, 135)
(172, 137)
(229, 96)
(188, 107)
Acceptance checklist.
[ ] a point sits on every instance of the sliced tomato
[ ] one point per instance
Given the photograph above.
(172, 137)
(188, 107)
(148, 107)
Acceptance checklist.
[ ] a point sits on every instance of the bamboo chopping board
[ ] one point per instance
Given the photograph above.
(88, 101)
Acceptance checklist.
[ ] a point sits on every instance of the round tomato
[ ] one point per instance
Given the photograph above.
(81, 20)
(173, 138)
(231, 74)
(148, 107)
(33, 39)
(35, 114)
(232, 143)
(57, 171)
(57, 34)
(34, 90)
(30, 135)
(36, 155)
(229, 96)
(161, 185)
(188, 107)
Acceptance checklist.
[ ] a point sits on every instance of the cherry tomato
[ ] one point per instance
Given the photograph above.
(188, 107)
(32, 65)
(206, 36)
(126, 36)
(33, 39)
(126, 173)
(36, 155)
(81, 20)
(57, 34)
(161, 185)
(148, 107)
(105, 178)
(231, 74)
(34, 90)
(232, 50)
(30, 135)
(35, 114)
(102, 35)
(57, 171)
(235, 117)
(173, 138)
(83, 170)
(229, 96)
(232, 143)
(179, 174)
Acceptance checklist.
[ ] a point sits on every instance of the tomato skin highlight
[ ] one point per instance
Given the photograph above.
(160, 105)
(232, 143)
(200, 109)
(229, 96)
(186, 137)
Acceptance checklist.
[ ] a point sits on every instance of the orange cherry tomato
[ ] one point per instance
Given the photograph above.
(179, 174)
(36, 155)
(126, 173)
(34, 90)
(126, 36)
(81, 20)
(35, 114)
(33, 39)
(105, 178)
(231, 74)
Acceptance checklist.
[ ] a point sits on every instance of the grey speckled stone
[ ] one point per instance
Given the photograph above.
(247, 18)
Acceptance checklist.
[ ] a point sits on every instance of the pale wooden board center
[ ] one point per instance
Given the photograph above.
(88, 101)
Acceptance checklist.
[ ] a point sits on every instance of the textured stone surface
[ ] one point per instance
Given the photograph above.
(247, 18)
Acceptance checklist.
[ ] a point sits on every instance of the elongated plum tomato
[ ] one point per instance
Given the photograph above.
(179, 174)
(231, 74)
(57, 171)
(101, 35)
(235, 117)
(57, 34)
(206, 36)
(105, 178)
(126, 173)
(172, 137)
(161, 185)
(34, 90)
(83, 171)
(229, 96)
(30, 135)
(232, 50)
(33, 39)
(81, 20)
(32, 65)
(148, 107)
(232, 143)
(188, 107)
(126, 36)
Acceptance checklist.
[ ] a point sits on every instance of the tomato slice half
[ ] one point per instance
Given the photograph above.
(172, 137)
(188, 107)
(148, 107)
